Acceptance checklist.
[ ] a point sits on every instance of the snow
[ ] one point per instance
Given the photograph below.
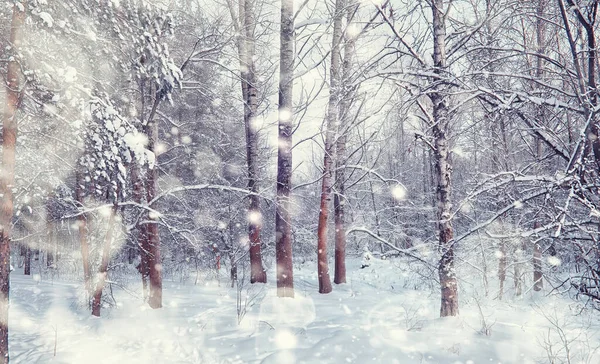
(46, 18)
(378, 316)
(398, 192)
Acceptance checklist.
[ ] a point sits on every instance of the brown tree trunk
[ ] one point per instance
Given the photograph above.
(332, 126)
(152, 235)
(250, 95)
(83, 235)
(322, 265)
(103, 269)
(340, 147)
(340, 234)
(283, 223)
(443, 168)
(9, 141)
(138, 197)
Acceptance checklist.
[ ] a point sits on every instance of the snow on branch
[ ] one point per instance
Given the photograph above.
(408, 252)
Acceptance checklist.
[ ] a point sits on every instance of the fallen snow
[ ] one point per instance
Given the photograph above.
(46, 18)
(377, 317)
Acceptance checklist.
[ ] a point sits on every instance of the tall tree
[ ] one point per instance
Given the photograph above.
(443, 169)
(151, 244)
(7, 175)
(245, 25)
(331, 131)
(283, 223)
(346, 90)
(257, 271)
(83, 232)
(540, 35)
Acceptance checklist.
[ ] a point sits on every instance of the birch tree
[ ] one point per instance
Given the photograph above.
(244, 24)
(347, 92)
(331, 133)
(283, 228)
(443, 168)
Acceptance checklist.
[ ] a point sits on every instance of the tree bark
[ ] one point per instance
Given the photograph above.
(27, 259)
(283, 228)
(152, 238)
(539, 73)
(347, 93)
(83, 235)
(518, 269)
(50, 237)
(250, 95)
(331, 131)
(138, 197)
(340, 232)
(443, 168)
(502, 268)
(103, 269)
(9, 141)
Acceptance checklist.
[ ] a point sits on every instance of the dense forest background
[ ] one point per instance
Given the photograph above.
(173, 140)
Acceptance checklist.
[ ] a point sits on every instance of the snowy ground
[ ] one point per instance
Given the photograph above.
(375, 318)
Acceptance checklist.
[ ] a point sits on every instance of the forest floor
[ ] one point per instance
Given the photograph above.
(377, 317)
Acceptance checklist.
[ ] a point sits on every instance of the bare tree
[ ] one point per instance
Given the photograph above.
(443, 169)
(347, 93)
(152, 237)
(244, 24)
(331, 132)
(283, 228)
(9, 141)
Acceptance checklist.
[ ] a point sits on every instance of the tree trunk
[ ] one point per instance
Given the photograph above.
(138, 197)
(539, 73)
(332, 126)
(83, 235)
(346, 91)
(250, 95)
(443, 169)
(233, 271)
(502, 269)
(518, 269)
(27, 261)
(103, 269)
(152, 238)
(340, 233)
(50, 239)
(9, 141)
(538, 283)
(283, 228)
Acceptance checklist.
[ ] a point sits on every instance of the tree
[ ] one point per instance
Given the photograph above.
(347, 92)
(103, 270)
(443, 169)
(9, 141)
(283, 223)
(245, 25)
(331, 132)
(83, 231)
(540, 35)
(107, 140)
